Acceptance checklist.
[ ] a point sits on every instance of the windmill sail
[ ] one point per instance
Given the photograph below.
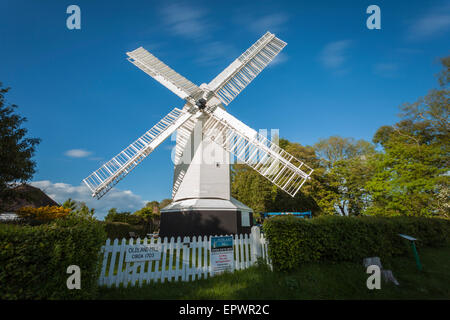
(162, 73)
(272, 162)
(230, 82)
(103, 179)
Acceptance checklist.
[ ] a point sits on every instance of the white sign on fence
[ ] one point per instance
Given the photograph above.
(181, 259)
(141, 252)
(222, 254)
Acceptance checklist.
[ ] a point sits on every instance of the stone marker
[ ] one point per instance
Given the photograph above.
(385, 274)
(372, 261)
(389, 277)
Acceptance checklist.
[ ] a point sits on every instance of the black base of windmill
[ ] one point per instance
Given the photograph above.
(190, 223)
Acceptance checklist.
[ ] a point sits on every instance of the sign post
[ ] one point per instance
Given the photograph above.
(222, 254)
(416, 255)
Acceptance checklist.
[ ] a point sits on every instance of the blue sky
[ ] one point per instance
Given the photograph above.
(87, 102)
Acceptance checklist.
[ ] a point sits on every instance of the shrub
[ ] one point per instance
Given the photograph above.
(293, 241)
(34, 259)
(43, 214)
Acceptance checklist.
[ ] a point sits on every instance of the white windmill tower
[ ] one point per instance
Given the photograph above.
(206, 136)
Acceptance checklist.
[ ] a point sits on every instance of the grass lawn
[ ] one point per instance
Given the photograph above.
(312, 281)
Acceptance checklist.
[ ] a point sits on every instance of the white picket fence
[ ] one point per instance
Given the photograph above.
(181, 259)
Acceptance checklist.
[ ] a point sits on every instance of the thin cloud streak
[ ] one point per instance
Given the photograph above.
(386, 70)
(186, 21)
(334, 55)
(77, 153)
(435, 22)
(217, 53)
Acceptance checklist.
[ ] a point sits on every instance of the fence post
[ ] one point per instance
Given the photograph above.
(256, 243)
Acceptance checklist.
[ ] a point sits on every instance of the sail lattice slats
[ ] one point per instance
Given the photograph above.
(229, 83)
(162, 73)
(103, 179)
(255, 150)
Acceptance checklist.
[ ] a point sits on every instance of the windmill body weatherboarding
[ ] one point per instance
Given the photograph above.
(206, 136)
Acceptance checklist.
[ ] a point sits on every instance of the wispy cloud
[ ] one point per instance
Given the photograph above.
(123, 200)
(279, 59)
(186, 21)
(334, 55)
(217, 52)
(433, 23)
(387, 70)
(77, 153)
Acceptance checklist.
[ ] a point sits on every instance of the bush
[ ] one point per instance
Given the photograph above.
(293, 241)
(119, 230)
(34, 259)
(42, 214)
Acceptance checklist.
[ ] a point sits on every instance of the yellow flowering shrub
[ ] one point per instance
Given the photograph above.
(43, 213)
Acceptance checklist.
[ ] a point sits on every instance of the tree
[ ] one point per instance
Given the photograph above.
(348, 167)
(411, 175)
(150, 216)
(254, 190)
(125, 217)
(145, 212)
(164, 203)
(16, 165)
(152, 204)
(249, 187)
(70, 204)
(79, 209)
(306, 198)
(83, 211)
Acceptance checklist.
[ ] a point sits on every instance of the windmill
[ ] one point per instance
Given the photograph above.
(206, 135)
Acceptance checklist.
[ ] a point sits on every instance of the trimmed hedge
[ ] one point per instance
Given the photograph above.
(119, 230)
(34, 259)
(293, 241)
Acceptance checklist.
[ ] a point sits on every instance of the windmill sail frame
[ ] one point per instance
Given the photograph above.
(267, 158)
(109, 174)
(238, 75)
(255, 150)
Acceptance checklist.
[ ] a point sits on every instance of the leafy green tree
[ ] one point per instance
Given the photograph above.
(70, 204)
(125, 217)
(249, 187)
(411, 176)
(164, 203)
(84, 211)
(152, 204)
(79, 209)
(336, 148)
(150, 217)
(348, 167)
(252, 189)
(145, 212)
(17, 150)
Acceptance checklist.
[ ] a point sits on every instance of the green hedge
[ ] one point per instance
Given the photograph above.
(293, 241)
(119, 230)
(34, 259)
